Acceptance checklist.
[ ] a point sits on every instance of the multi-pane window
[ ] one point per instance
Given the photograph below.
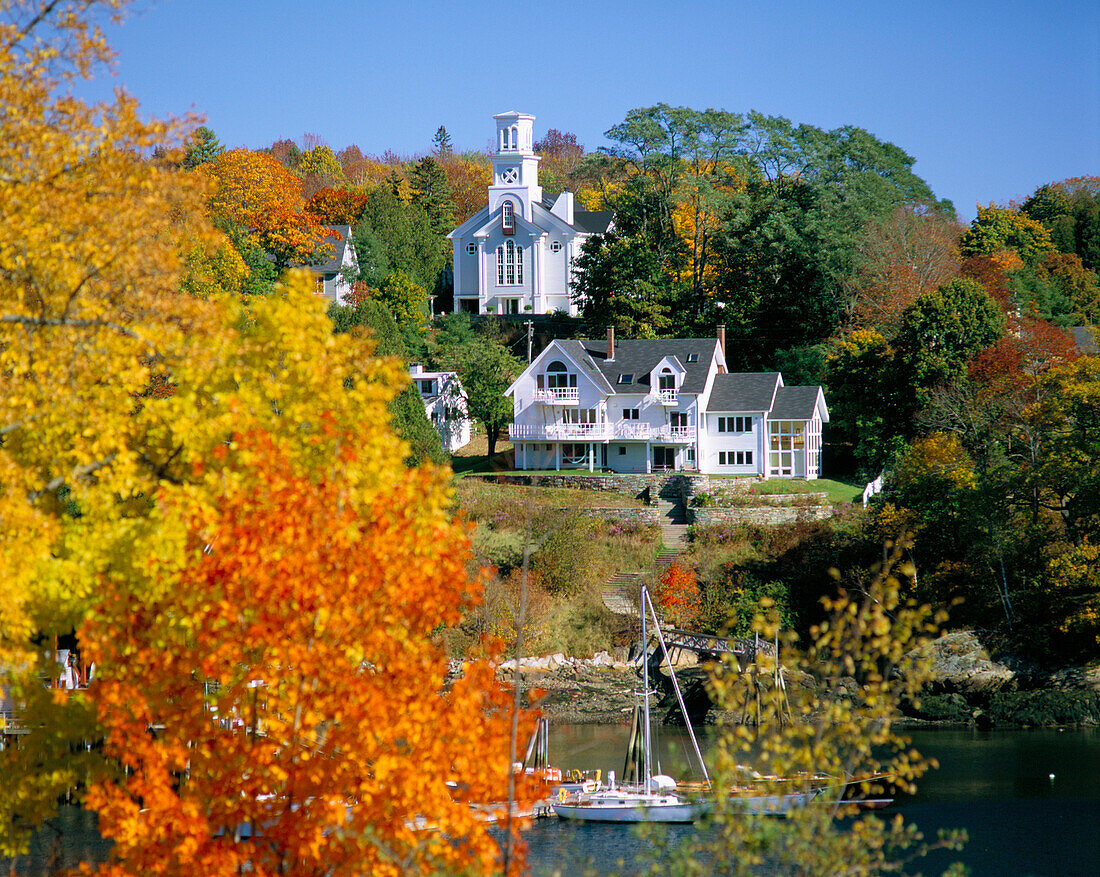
(555, 246)
(579, 415)
(735, 458)
(735, 424)
(509, 264)
(507, 217)
(631, 413)
(471, 249)
(787, 447)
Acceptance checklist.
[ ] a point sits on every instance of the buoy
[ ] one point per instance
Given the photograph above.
(1052, 778)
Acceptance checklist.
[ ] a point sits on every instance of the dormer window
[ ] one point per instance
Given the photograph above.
(507, 218)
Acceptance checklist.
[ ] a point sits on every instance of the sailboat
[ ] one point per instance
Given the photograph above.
(653, 798)
(659, 798)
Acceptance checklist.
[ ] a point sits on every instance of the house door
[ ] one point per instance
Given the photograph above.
(664, 458)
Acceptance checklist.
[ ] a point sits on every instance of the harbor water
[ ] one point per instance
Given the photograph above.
(1030, 801)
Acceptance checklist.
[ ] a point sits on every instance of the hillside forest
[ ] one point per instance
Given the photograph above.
(947, 352)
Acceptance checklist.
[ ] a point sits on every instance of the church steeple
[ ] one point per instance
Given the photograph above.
(515, 165)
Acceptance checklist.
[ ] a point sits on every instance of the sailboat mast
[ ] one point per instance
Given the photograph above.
(646, 771)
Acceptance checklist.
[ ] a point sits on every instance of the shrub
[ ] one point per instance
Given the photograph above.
(565, 558)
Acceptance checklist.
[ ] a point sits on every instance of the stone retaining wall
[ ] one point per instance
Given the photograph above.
(631, 514)
(641, 485)
(761, 515)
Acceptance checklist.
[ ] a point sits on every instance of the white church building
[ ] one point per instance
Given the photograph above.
(516, 255)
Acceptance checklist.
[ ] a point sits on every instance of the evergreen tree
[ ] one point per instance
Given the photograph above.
(442, 141)
(431, 191)
(204, 147)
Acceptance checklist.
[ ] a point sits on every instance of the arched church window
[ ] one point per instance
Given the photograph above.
(507, 217)
(509, 264)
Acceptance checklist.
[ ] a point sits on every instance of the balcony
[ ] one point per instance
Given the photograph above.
(628, 431)
(558, 395)
(561, 432)
(669, 396)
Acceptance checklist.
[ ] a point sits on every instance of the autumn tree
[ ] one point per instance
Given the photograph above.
(138, 422)
(1000, 228)
(468, 177)
(900, 257)
(295, 678)
(253, 190)
(337, 206)
(560, 153)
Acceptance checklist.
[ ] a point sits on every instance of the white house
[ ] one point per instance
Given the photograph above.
(328, 275)
(445, 404)
(516, 255)
(664, 404)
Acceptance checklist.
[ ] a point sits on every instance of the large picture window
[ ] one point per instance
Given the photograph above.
(509, 264)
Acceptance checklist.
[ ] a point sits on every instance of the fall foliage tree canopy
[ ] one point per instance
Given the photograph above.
(257, 193)
(323, 724)
(140, 424)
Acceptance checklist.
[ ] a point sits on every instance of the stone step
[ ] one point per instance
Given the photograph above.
(621, 592)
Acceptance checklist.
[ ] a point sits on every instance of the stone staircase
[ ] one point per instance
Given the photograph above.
(674, 523)
(621, 592)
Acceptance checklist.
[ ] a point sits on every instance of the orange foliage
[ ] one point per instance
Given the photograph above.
(294, 686)
(469, 181)
(337, 206)
(679, 594)
(255, 191)
(991, 274)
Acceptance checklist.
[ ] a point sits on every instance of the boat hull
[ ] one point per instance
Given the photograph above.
(680, 811)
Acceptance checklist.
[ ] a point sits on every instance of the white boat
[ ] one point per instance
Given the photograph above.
(654, 798)
(658, 798)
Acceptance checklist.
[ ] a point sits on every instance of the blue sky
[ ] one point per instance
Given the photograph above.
(991, 98)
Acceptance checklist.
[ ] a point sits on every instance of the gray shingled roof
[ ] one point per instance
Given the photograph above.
(794, 403)
(743, 391)
(638, 357)
(334, 262)
(592, 221)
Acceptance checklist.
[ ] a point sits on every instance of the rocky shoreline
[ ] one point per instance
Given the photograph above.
(971, 688)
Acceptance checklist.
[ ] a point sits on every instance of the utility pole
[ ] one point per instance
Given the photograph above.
(530, 340)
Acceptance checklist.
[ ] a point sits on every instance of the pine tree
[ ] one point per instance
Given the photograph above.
(442, 141)
(204, 147)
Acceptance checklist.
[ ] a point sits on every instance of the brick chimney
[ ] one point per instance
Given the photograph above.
(610, 343)
(722, 338)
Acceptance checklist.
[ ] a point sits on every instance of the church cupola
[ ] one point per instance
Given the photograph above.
(515, 165)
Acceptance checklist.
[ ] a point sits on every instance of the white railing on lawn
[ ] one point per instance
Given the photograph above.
(871, 489)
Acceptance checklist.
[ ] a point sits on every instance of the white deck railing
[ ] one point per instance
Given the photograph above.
(668, 397)
(558, 395)
(600, 432)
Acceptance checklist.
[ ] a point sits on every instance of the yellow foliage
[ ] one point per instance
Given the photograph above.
(939, 455)
(140, 402)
